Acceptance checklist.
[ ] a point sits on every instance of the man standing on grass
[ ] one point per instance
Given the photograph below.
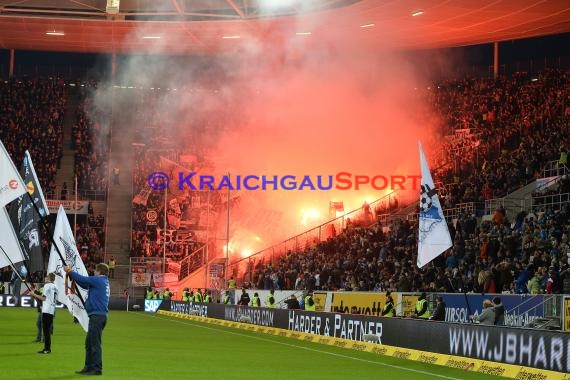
(97, 307)
(49, 299)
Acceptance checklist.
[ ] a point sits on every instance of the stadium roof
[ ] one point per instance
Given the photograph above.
(213, 26)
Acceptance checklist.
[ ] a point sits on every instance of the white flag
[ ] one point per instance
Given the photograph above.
(11, 184)
(67, 294)
(433, 237)
(9, 242)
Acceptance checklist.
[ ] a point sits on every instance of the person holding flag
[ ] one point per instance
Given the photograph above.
(97, 307)
(64, 253)
(49, 299)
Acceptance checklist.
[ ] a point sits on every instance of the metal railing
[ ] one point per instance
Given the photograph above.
(467, 208)
(531, 298)
(553, 307)
(545, 183)
(554, 202)
(507, 203)
(297, 244)
(547, 314)
(554, 169)
(82, 194)
(192, 262)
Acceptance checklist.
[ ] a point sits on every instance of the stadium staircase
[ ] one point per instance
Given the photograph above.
(194, 276)
(521, 199)
(66, 170)
(119, 197)
(404, 213)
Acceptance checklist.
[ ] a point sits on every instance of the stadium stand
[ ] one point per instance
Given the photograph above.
(516, 125)
(32, 119)
(92, 147)
(513, 125)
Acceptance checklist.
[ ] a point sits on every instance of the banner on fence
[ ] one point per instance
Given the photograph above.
(566, 313)
(520, 309)
(358, 303)
(540, 349)
(407, 304)
(70, 207)
(141, 279)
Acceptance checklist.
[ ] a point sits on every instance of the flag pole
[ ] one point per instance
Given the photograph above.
(227, 236)
(207, 252)
(164, 237)
(46, 226)
(15, 270)
(468, 307)
(75, 211)
(19, 242)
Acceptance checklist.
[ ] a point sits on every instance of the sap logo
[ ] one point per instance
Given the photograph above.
(152, 305)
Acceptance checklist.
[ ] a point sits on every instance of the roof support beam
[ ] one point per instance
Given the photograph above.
(178, 7)
(236, 8)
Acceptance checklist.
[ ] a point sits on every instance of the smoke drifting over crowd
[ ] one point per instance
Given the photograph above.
(285, 104)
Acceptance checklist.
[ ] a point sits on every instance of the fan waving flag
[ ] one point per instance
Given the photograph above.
(67, 292)
(11, 249)
(25, 217)
(11, 184)
(433, 237)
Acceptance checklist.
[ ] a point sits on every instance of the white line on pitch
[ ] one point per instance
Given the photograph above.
(304, 348)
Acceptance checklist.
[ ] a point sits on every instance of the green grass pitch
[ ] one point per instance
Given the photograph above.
(140, 345)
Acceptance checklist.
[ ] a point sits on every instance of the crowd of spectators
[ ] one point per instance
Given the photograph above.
(32, 119)
(90, 240)
(144, 228)
(515, 126)
(503, 132)
(529, 255)
(500, 135)
(155, 129)
(91, 142)
(557, 192)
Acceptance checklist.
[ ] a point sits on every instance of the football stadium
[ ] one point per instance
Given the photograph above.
(287, 189)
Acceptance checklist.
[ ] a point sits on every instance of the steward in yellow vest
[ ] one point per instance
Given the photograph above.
(255, 302)
(270, 300)
(309, 302)
(185, 295)
(422, 311)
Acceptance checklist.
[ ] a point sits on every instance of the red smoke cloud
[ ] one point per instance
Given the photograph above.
(292, 105)
(319, 114)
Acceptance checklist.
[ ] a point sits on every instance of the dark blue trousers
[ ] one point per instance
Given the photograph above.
(47, 322)
(93, 350)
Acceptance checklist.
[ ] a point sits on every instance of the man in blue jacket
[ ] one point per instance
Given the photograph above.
(97, 307)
